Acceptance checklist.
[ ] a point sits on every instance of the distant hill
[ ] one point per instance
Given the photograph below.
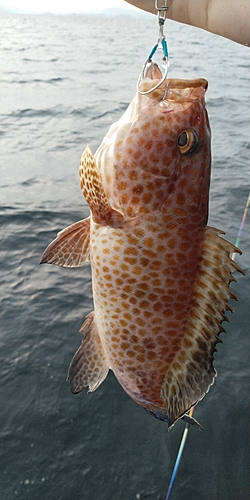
(117, 11)
(110, 12)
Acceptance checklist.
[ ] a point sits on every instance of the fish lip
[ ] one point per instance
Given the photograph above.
(153, 72)
(180, 83)
(179, 88)
(174, 90)
(176, 84)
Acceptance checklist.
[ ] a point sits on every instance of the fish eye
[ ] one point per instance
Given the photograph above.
(187, 141)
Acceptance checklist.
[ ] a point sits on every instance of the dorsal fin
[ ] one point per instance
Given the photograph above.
(192, 373)
(94, 193)
(71, 246)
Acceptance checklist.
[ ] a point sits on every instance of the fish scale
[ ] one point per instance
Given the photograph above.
(160, 275)
(154, 294)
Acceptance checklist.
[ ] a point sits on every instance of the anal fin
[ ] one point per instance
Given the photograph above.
(71, 246)
(89, 366)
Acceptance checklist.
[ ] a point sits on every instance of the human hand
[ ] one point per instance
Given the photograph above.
(227, 18)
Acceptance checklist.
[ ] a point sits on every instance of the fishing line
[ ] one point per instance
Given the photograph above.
(241, 225)
(160, 44)
(185, 432)
(178, 458)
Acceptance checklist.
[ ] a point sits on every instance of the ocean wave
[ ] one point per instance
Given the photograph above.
(50, 81)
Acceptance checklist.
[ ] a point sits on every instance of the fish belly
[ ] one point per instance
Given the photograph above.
(143, 284)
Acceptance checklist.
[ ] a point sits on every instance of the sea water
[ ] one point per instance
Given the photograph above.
(64, 80)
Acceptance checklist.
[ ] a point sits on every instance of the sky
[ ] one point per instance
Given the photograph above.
(62, 6)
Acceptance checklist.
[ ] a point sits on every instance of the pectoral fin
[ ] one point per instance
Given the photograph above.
(71, 246)
(191, 372)
(89, 366)
(94, 194)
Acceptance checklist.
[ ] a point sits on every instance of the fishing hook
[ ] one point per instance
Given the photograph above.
(161, 43)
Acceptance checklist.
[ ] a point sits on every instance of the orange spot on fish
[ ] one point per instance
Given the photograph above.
(137, 270)
(130, 260)
(124, 198)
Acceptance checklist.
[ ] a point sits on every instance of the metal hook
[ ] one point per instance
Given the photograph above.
(162, 43)
(163, 9)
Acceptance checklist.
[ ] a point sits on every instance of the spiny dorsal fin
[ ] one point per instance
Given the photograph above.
(89, 366)
(94, 193)
(192, 373)
(71, 246)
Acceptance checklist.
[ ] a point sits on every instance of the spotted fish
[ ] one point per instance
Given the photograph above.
(160, 275)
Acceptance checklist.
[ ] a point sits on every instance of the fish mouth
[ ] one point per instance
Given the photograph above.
(171, 88)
